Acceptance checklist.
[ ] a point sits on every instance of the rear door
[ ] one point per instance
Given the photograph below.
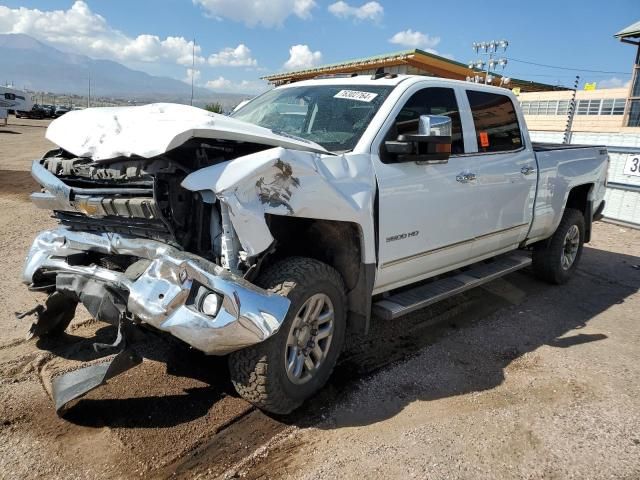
(504, 167)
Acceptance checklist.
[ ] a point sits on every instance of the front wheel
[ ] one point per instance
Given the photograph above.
(555, 259)
(277, 375)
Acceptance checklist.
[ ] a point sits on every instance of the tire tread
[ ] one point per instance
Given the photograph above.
(547, 253)
(250, 367)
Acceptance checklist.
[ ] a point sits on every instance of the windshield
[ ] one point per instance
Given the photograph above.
(334, 116)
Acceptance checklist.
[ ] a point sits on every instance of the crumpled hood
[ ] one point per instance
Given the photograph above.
(150, 130)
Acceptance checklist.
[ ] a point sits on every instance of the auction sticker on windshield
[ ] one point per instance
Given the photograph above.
(356, 95)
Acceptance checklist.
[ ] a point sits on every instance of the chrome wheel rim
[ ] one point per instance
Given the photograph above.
(309, 338)
(571, 245)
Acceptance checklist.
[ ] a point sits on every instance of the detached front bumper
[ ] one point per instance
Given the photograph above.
(164, 295)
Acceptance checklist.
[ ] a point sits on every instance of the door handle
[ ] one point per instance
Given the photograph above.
(465, 177)
(527, 170)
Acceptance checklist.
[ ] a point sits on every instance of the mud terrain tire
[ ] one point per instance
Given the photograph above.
(548, 255)
(259, 373)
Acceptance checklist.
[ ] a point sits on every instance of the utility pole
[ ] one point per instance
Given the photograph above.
(490, 49)
(571, 113)
(193, 67)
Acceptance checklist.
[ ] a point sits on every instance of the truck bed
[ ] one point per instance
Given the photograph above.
(545, 147)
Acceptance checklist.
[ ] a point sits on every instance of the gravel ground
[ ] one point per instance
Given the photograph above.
(547, 387)
(517, 379)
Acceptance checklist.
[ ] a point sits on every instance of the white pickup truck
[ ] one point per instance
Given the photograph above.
(264, 236)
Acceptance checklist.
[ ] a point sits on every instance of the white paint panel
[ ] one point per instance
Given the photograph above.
(151, 130)
(623, 205)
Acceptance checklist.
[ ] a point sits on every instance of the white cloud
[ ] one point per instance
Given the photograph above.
(268, 13)
(192, 73)
(369, 11)
(301, 56)
(253, 86)
(233, 57)
(243, 86)
(219, 83)
(613, 82)
(409, 38)
(83, 31)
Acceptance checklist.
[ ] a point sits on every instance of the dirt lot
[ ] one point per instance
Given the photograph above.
(514, 380)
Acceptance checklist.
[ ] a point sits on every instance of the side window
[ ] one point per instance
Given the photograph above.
(428, 101)
(9, 96)
(494, 117)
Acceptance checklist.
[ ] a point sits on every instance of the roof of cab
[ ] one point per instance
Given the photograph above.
(390, 80)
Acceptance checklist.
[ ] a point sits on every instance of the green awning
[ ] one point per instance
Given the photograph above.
(632, 31)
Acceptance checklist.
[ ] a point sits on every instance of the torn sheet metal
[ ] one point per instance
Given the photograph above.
(151, 130)
(77, 383)
(164, 294)
(281, 181)
(52, 317)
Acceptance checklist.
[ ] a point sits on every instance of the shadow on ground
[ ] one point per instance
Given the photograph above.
(605, 279)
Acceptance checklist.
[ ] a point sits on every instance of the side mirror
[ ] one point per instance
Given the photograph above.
(432, 144)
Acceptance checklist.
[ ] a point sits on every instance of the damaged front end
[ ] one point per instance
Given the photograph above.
(162, 287)
(164, 222)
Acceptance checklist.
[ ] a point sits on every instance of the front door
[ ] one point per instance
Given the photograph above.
(425, 213)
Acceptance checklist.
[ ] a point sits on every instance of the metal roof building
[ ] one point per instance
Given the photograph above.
(416, 62)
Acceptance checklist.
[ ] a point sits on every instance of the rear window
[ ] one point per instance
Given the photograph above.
(495, 120)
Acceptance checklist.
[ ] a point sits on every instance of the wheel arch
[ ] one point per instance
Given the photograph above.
(339, 244)
(579, 198)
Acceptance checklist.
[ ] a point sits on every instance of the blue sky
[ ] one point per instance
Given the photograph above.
(240, 40)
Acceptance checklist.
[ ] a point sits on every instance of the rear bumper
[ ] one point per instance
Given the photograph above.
(163, 295)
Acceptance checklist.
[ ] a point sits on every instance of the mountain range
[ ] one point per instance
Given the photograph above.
(29, 63)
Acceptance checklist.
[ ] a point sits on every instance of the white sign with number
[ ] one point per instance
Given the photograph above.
(632, 165)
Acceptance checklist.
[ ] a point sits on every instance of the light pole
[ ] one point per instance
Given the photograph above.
(571, 112)
(490, 50)
(193, 67)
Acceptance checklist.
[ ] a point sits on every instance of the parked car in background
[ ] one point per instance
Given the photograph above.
(50, 110)
(37, 111)
(60, 110)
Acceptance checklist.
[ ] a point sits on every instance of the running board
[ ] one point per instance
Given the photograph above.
(416, 298)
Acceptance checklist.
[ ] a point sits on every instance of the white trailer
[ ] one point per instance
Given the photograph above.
(13, 99)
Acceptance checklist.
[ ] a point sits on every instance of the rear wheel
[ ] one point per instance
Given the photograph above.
(277, 375)
(555, 259)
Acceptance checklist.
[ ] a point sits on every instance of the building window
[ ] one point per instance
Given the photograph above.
(634, 113)
(583, 107)
(563, 107)
(607, 106)
(594, 107)
(618, 106)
